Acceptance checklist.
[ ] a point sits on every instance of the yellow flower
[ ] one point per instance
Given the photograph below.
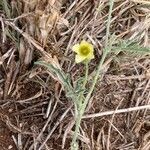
(84, 51)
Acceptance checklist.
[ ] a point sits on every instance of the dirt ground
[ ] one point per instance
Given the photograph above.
(35, 113)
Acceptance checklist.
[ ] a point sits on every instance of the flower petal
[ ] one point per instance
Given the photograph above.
(87, 44)
(81, 53)
(76, 48)
(83, 42)
(91, 47)
(79, 58)
(90, 56)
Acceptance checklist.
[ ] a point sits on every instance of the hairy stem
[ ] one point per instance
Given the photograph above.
(74, 145)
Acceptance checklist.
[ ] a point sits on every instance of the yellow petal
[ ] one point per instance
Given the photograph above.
(84, 42)
(79, 58)
(90, 56)
(76, 48)
(90, 46)
(80, 48)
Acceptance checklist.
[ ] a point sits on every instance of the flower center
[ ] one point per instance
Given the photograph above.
(84, 50)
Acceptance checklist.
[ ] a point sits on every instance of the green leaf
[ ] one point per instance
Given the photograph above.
(64, 78)
(130, 46)
(6, 8)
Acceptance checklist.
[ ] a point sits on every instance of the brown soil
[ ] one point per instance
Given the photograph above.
(34, 109)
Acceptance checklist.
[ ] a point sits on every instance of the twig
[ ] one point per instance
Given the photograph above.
(31, 40)
(106, 113)
(54, 128)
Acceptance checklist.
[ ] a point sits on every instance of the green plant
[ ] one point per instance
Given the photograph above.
(79, 94)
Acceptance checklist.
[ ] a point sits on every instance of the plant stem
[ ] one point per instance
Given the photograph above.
(108, 23)
(86, 74)
(82, 106)
(81, 95)
(94, 82)
(74, 145)
(106, 51)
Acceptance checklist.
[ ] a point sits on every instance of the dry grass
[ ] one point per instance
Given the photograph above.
(34, 112)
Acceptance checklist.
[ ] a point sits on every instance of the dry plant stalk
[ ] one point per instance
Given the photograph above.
(45, 26)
